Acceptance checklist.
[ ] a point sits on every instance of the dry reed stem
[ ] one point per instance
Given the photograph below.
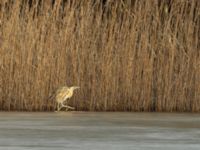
(125, 56)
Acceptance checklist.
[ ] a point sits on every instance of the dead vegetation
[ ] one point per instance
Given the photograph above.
(125, 55)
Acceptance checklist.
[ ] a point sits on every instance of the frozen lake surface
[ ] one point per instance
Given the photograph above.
(99, 131)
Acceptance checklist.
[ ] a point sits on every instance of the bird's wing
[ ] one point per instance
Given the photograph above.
(62, 93)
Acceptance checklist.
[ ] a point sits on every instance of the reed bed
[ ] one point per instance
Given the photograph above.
(125, 55)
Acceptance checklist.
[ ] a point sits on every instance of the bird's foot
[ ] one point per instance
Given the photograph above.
(69, 107)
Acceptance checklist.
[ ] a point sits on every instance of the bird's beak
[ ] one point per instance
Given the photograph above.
(76, 87)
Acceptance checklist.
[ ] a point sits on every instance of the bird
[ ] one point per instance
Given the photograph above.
(62, 94)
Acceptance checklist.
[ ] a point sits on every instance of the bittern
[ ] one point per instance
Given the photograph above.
(62, 94)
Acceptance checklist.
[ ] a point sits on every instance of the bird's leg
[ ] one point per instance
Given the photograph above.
(66, 106)
(70, 107)
(59, 107)
(66, 109)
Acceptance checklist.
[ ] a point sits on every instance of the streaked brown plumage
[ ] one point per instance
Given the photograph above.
(62, 94)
